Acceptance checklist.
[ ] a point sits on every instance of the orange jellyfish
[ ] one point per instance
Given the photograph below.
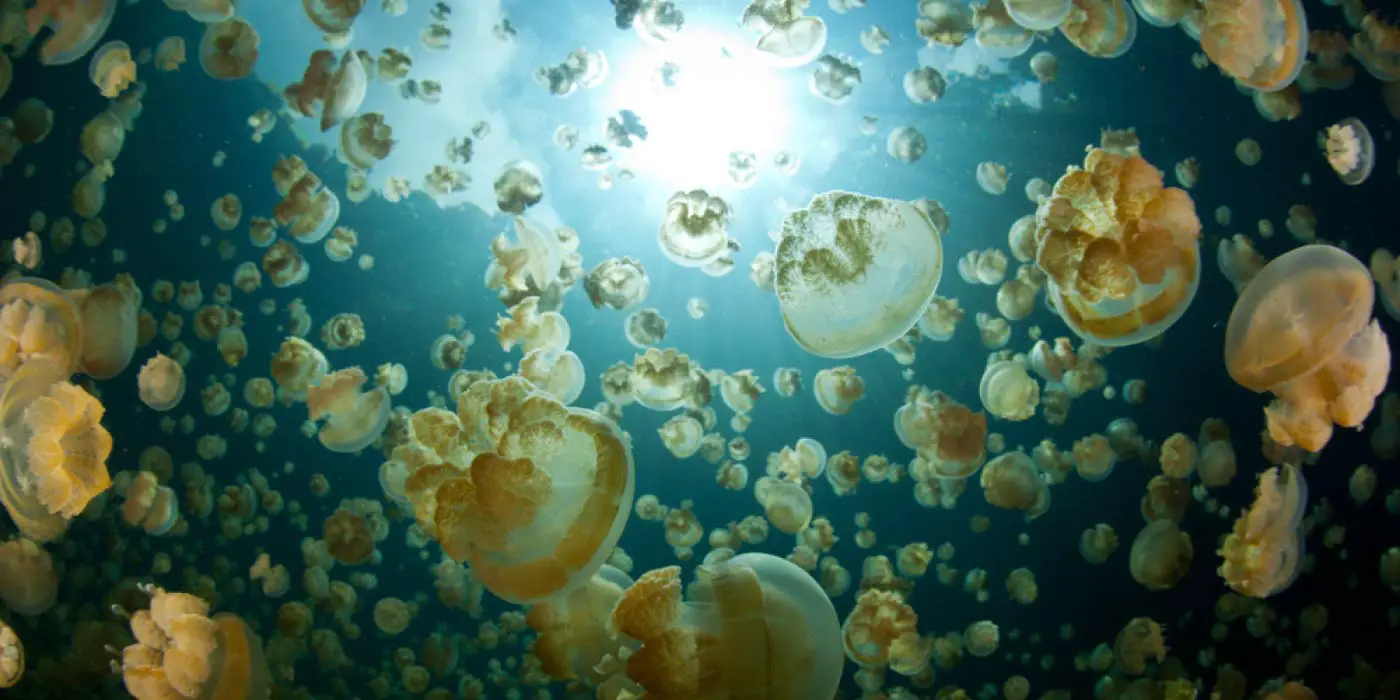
(348, 537)
(546, 497)
(574, 632)
(182, 652)
(112, 69)
(1101, 28)
(1302, 330)
(1120, 250)
(37, 320)
(11, 656)
(77, 27)
(1259, 43)
(354, 418)
(229, 49)
(54, 450)
(1264, 553)
(757, 625)
(1161, 555)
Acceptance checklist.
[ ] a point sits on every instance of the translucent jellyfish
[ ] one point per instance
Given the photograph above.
(1375, 47)
(558, 373)
(949, 437)
(940, 320)
(1349, 150)
(992, 177)
(347, 537)
(997, 33)
(518, 187)
(170, 54)
(1259, 43)
(787, 505)
(1011, 481)
(695, 230)
(924, 84)
(1098, 543)
(1217, 463)
(112, 69)
(1118, 275)
(11, 654)
(1138, 642)
(1008, 392)
(32, 121)
(1094, 458)
(834, 79)
(982, 638)
(149, 505)
(1161, 555)
(545, 500)
(1238, 261)
(681, 435)
(787, 38)
(1162, 13)
(855, 272)
(229, 49)
(55, 449)
(1045, 67)
(77, 27)
(874, 39)
(365, 139)
(30, 584)
(906, 144)
(1039, 15)
(161, 383)
(944, 22)
(354, 418)
(618, 283)
(1263, 555)
(333, 17)
(1300, 330)
(109, 331)
(1101, 28)
(645, 328)
(181, 651)
(838, 389)
(771, 628)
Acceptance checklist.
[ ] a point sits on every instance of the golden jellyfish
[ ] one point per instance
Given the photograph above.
(149, 505)
(1349, 150)
(838, 389)
(333, 16)
(161, 383)
(558, 373)
(618, 283)
(112, 69)
(1375, 48)
(1098, 543)
(1260, 43)
(1217, 463)
(664, 380)
(344, 91)
(944, 22)
(30, 584)
(1008, 392)
(1101, 28)
(982, 638)
(574, 634)
(32, 121)
(1166, 498)
(284, 265)
(102, 139)
(786, 37)
(180, 651)
(855, 272)
(109, 331)
(1249, 153)
(77, 27)
(1161, 555)
(229, 49)
(354, 417)
(906, 144)
(1162, 13)
(546, 497)
(695, 230)
(55, 449)
(948, 436)
(1039, 15)
(940, 319)
(681, 435)
(347, 537)
(226, 211)
(365, 139)
(922, 85)
(1021, 586)
(1137, 643)
(1011, 481)
(11, 653)
(1263, 554)
(788, 506)
(1238, 261)
(170, 54)
(1178, 458)
(1300, 330)
(1119, 250)
(297, 366)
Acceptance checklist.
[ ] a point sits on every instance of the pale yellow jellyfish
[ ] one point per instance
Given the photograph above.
(347, 536)
(161, 383)
(518, 187)
(1008, 392)
(879, 621)
(354, 418)
(664, 380)
(695, 230)
(77, 27)
(365, 139)
(1138, 642)
(992, 177)
(1098, 543)
(298, 365)
(681, 435)
(982, 638)
(838, 389)
(170, 54)
(30, 584)
(788, 506)
(574, 634)
(1162, 13)
(786, 37)
(182, 652)
(949, 437)
(37, 320)
(54, 452)
(1101, 28)
(1118, 274)
(1248, 152)
(617, 283)
(1161, 555)
(533, 517)
(940, 319)
(944, 22)
(112, 69)
(1039, 15)
(1349, 150)
(983, 266)
(1300, 331)
(1238, 261)
(1011, 481)
(1217, 463)
(149, 505)
(1362, 484)
(229, 49)
(109, 331)
(11, 653)
(1259, 43)
(558, 373)
(1178, 458)
(1263, 555)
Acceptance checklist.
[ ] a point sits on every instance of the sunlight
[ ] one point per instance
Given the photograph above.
(723, 100)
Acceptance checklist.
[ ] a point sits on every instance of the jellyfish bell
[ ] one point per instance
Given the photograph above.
(11, 656)
(695, 230)
(77, 27)
(37, 319)
(1101, 28)
(1263, 554)
(1260, 43)
(786, 39)
(1349, 150)
(333, 16)
(1039, 15)
(109, 331)
(855, 272)
(1162, 13)
(345, 91)
(354, 418)
(111, 68)
(229, 49)
(997, 33)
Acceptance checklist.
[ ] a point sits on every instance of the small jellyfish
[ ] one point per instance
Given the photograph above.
(170, 54)
(354, 418)
(1248, 152)
(1349, 150)
(695, 230)
(1008, 392)
(1161, 555)
(112, 69)
(924, 84)
(835, 78)
(906, 144)
(992, 177)
(787, 38)
(838, 389)
(1045, 67)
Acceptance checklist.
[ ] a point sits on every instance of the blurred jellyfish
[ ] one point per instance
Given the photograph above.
(998, 34)
(992, 177)
(1349, 150)
(944, 22)
(1260, 43)
(834, 78)
(1238, 261)
(1264, 553)
(1045, 67)
(1039, 15)
(906, 144)
(77, 27)
(1101, 28)
(787, 38)
(11, 656)
(112, 69)
(924, 84)
(743, 168)
(229, 49)
(1161, 555)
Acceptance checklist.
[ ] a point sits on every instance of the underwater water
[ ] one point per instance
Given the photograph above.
(561, 275)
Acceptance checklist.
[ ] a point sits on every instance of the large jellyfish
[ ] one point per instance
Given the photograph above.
(1302, 330)
(1264, 553)
(1119, 249)
(1260, 43)
(855, 272)
(54, 449)
(181, 651)
(545, 499)
(755, 625)
(109, 331)
(1101, 28)
(77, 27)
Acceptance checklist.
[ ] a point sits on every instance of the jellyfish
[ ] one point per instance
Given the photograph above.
(1118, 275)
(1101, 28)
(695, 231)
(180, 651)
(1349, 150)
(354, 418)
(1263, 554)
(906, 144)
(1011, 481)
(229, 49)
(682, 435)
(1162, 13)
(1098, 543)
(574, 634)
(11, 655)
(30, 584)
(161, 383)
(769, 628)
(1045, 67)
(838, 389)
(1300, 331)
(170, 54)
(518, 187)
(1094, 458)
(1260, 43)
(1008, 392)
(944, 22)
(149, 505)
(855, 272)
(347, 537)
(835, 78)
(533, 517)
(787, 38)
(297, 365)
(788, 506)
(558, 373)
(645, 328)
(1161, 555)
(1039, 15)
(112, 69)
(1139, 641)
(991, 177)
(32, 121)
(109, 331)
(618, 283)
(997, 33)
(1238, 261)
(1374, 47)
(77, 27)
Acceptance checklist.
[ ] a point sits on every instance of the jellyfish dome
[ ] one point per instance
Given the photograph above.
(77, 27)
(1119, 249)
(1264, 553)
(1302, 330)
(695, 231)
(754, 625)
(1162, 13)
(854, 272)
(1350, 150)
(54, 450)
(1260, 43)
(787, 39)
(354, 418)
(229, 49)
(1101, 28)
(546, 497)
(1039, 15)
(38, 320)
(109, 331)
(11, 656)
(180, 651)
